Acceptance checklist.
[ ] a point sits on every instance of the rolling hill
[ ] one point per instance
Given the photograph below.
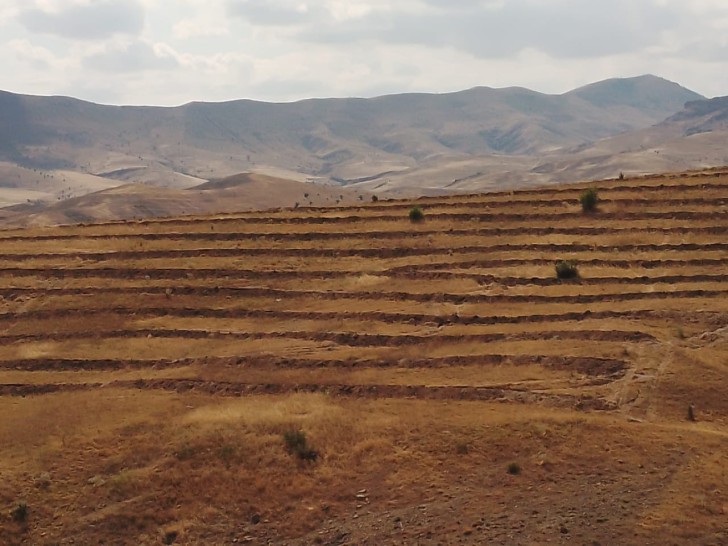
(134, 201)
(344, 140)
(343, 375)
(693, 138)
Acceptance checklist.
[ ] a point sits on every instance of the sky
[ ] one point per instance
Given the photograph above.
(169, 52)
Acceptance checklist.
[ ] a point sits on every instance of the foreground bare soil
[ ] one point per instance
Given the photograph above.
(449, 388)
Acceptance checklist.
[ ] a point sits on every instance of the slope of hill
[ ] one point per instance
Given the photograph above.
(339, 139)
(693, 138)
(347, 376)
(132, 201)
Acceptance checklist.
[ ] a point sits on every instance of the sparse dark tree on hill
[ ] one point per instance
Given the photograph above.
(416, 214)
(589, 199)
(566, 269)
(297, 444)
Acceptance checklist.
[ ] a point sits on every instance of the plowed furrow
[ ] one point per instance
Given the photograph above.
(599, 262)
(335, 235)
(210, 274)
(572, 198)
(221, 388)
(574, 192)
(439, 297)
(353, 339)
(374, 316)
(587, 366)
(677, 214)
(30, 389)
(393, 252)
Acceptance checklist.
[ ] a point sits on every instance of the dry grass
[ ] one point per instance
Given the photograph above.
(415, 391)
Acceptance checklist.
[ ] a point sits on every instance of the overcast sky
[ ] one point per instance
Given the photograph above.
(168, 52)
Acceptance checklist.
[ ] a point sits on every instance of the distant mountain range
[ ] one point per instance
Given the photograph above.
(55, 148)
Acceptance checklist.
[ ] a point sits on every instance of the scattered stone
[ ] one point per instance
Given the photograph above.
(96, 481)
(44, 480)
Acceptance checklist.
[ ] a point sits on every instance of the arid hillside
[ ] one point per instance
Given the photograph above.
(245, 191)
(44, 139)
(692, 139)
(349, 375)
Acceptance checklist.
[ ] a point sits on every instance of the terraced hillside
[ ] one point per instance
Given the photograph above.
(450, 388)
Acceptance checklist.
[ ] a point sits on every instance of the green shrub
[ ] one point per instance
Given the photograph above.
(19, 512)
(416, 214)
(297, 444)
(589, 199)
(566, 269)
(514, 469)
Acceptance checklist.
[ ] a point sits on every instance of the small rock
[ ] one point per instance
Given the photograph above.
(564, 530)
(96, 480)
(255, 519)
(44, 480)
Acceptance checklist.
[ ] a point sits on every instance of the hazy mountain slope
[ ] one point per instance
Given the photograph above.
(694, 138)
(691, 139)
(132, 201)
(648, 94)
(340, 139)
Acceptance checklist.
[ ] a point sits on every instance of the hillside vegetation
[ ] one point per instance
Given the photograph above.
(350, 376)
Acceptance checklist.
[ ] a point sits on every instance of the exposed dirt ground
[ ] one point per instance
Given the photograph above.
(450, 389)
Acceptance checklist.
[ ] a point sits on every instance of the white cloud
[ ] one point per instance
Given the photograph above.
(84, 20)
(173, 51)
(39, 57)
(199, 27)
(132, 56)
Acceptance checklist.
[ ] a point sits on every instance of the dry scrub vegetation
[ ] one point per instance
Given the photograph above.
(349, 376)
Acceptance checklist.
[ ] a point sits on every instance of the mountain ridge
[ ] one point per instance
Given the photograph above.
(322, 140)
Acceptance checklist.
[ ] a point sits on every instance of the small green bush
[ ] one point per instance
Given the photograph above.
(514, 469)
(297, 444)
(566, 269)
(589, 199)
(416, 214)
(19, 512)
